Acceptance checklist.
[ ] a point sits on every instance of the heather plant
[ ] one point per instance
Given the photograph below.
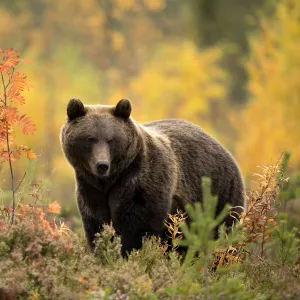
(107, 246)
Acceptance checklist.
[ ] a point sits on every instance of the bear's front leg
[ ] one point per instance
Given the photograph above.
(136, 213)
(93, 208)
(132, 227)
(130, 241)
(91, 227)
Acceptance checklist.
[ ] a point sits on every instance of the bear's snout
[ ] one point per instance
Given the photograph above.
(102, 167)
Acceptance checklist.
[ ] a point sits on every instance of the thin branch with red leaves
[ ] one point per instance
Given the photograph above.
(13, 84)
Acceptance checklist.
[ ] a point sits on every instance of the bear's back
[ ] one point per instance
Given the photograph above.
(198, 154)
(190, 141)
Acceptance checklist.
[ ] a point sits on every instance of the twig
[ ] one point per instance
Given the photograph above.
(207, 294)
(265, 188)
(9, 156)
(10, 77)
(4, 87)
(20, 182)
(263, 242)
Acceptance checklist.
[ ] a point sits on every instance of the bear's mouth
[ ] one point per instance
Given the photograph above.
(102, 176)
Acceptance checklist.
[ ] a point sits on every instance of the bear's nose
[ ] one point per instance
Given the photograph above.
(102, 166)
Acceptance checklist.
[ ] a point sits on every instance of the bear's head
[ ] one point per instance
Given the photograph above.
(100, 140)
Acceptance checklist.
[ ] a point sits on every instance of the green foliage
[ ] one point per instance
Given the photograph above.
(285, 244)
(107, 246)
(230, 286)
(199, 236)
(289, 195)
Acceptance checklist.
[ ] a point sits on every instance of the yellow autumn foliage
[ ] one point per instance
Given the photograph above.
(179, 82)
(270, 124)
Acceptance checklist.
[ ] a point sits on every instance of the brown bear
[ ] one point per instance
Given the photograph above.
(135, 174)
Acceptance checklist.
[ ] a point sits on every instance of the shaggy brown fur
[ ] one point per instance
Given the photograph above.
(134, 174)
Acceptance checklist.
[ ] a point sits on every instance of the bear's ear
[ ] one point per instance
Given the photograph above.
(123, 109)
(75, 109)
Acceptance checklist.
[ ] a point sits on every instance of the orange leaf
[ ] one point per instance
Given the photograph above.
(10, 114)
(25, 121)
(54, 207)
(30, 154)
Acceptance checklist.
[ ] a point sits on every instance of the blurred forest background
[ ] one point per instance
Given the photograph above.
(232, 67)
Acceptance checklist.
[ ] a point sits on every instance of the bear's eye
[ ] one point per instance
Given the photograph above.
(91, 139)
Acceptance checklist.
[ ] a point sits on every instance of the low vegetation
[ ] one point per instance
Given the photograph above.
(258, 259)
